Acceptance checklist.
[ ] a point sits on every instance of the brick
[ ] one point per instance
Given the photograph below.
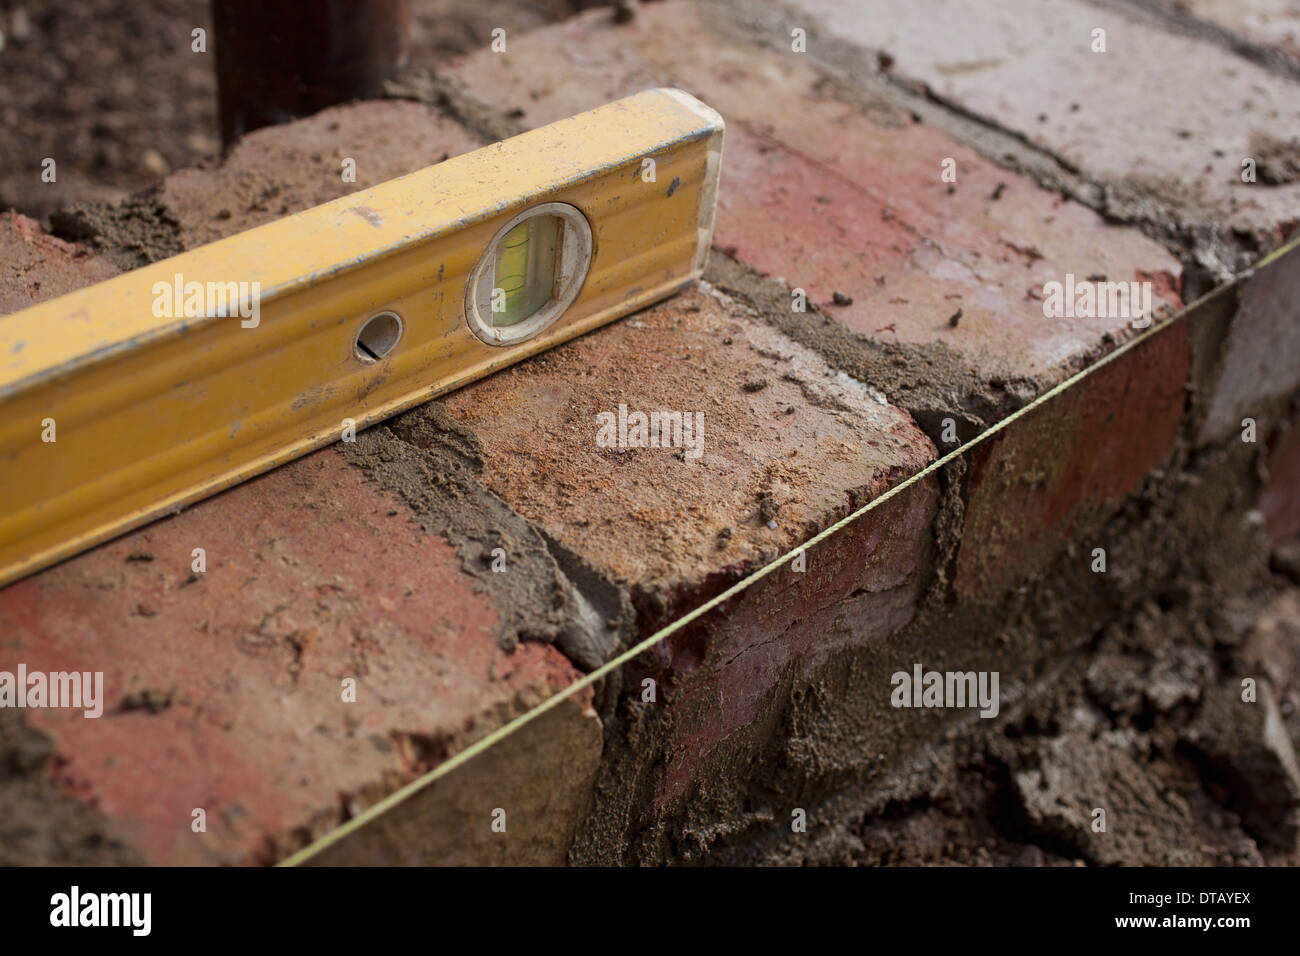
(272, 172)
(1259, 363)
(1280, 500)
(780, 427)
(1052, 477)
(835, 195)
(1123, 116)
(37, 266)
(777, 421)
(861, 585)
(1274, 24)
(313, 576)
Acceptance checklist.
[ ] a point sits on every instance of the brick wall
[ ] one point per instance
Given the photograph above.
(925, 325)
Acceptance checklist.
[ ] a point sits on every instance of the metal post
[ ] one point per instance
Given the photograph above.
(281, 59)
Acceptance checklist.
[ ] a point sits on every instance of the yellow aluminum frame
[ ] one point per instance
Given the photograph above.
(153, 413)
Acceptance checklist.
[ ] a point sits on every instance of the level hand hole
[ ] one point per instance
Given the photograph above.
(378, 336)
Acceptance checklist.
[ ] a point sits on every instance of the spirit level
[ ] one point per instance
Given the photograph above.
(128, 399)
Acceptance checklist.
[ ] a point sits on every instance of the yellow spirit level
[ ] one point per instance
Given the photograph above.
(128, 399)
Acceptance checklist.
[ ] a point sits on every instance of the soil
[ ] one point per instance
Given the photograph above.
(112, 91)
(135, 232)
(107, 88)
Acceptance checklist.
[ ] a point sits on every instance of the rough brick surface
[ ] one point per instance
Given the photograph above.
(313, 576)
(835, 194)
(779, 426)
(1280, 501)
(269, 175)
(1274, 24)
(35, 266)
(1123, 116)
(1053, 475)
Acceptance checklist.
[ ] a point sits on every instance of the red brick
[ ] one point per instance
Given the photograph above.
(35, 266)
(777, 419)
(861, 585)
(1052, 476)
(1280, 500)
(832, 196)
(675, 531)
(1124, 116)
(313, 576)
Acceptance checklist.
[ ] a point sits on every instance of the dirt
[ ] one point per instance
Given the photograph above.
(1277, 161)
(112, 91)
(130, 234)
